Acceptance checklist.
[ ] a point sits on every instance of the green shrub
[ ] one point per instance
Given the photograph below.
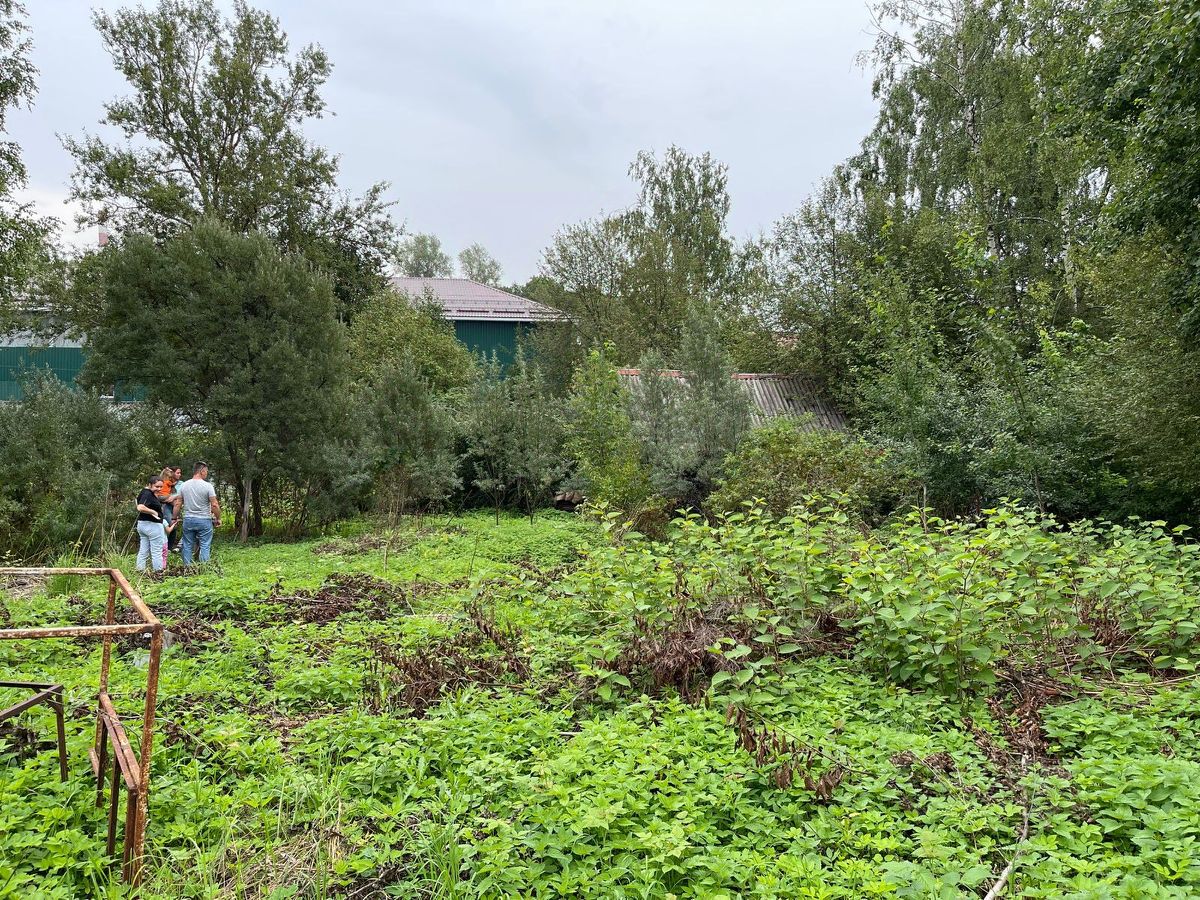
(71, 464)
(786, 460)
(600, 437)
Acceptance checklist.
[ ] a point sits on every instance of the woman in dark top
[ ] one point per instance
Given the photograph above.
(150, 525)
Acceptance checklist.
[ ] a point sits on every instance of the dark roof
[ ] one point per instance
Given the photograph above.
(772, 396)
(462, 299)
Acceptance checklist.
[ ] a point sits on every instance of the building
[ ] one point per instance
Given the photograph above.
(22, 354)
(486, 319)
(772, 396)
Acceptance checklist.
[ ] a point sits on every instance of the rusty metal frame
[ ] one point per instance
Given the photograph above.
(52, 696)
(133, 769)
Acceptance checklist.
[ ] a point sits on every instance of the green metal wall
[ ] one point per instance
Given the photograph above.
(492, 337)
(16, 362)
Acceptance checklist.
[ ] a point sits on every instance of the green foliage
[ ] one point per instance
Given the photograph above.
(783, 462)
(713, 409)
(24, 236)
(214, 128)
(1134, 98)
(70, 467)
(629, 279)
(600, 437)
(254, 353)
(413, 435)
(422, 256)
(479, 265)
(513, 434)
(276, 775)
(394, 329)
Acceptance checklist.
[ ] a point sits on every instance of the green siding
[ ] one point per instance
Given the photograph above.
(17, 362)
(492, 337)
(64, 363)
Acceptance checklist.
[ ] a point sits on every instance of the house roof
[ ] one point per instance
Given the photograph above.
(462, 299)
(771, 396)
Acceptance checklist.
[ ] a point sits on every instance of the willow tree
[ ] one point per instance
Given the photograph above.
(214, 128)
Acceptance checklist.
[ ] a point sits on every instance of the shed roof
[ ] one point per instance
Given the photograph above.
(462, 299)
(772, 396)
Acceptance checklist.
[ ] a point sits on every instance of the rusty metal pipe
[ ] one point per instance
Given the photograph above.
(72, 631)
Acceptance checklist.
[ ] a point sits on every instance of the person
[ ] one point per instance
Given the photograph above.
(150, 525)
(196, 501)
(170, 476)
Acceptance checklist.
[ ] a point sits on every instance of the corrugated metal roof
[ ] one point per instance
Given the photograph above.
(31, 339)
(772, 396)
(463, 300)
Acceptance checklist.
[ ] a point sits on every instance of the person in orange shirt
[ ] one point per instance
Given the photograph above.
(170, 477)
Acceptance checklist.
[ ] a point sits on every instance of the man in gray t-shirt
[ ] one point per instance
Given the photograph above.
(197, 502)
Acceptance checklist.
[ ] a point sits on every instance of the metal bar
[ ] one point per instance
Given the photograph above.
(143, 802)
(120, 742)
(109, 615)
(44, 571)
(72, 631)
(114, 791)
(99, 757)
(32, 685)
(131, 863)
(133, 597)
(57, 703)
(17, 708)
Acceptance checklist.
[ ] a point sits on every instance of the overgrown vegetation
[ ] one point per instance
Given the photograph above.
(757, 707)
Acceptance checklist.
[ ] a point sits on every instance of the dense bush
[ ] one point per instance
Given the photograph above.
(512, 429)
(70, 466)
(784, 461)
(931, 603)
(395, 329)
(600, 437)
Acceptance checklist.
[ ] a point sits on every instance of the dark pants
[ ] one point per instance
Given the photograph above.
(173, 535)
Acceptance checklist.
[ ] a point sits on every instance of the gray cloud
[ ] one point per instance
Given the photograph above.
(499, 121)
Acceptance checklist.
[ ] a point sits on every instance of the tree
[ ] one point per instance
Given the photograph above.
(412, 433)
(24, 236)
(1135, 97)
(600, 437)
(715, 408)
(656, 410)
(479, 265)
(254, 356)
(513, 434)
(628, 278)
(214, 129)
(421, 256)
(393, 329)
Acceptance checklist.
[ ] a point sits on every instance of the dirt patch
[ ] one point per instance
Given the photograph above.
(343, 593)
(21, 587)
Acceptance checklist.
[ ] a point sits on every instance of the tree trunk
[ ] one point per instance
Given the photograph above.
(245, 491)
(256, 517)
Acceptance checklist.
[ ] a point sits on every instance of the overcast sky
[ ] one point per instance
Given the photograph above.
(499, 121)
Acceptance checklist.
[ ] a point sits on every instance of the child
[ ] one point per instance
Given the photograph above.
(167, 529)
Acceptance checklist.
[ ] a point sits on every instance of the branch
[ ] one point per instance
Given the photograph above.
(998, 887)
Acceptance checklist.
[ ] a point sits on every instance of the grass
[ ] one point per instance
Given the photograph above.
(289, 763)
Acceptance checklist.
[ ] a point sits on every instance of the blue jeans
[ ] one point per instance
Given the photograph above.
(150, 544)
(196, 530)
